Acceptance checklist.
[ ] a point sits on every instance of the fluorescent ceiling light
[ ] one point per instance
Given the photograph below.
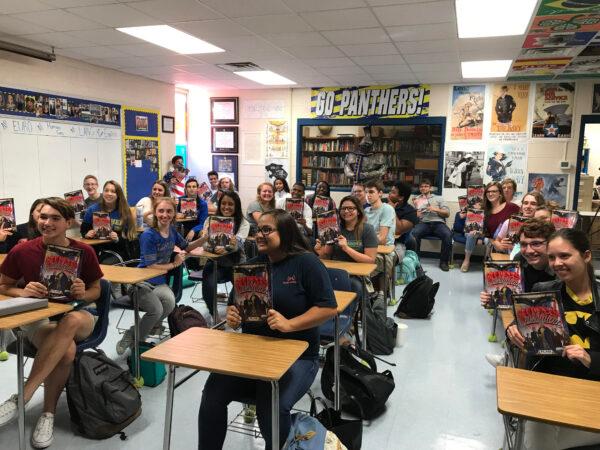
(487, 18)
(485, 69)
(169, 37)
(265, 77)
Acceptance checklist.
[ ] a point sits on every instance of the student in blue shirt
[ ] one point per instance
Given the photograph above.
(302, 300)
(193, 228)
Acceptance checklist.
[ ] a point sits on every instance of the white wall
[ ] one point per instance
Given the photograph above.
(592, 133)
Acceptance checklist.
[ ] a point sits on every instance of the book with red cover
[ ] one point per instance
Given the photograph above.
(101, 224)
(462, 202)
(328, 227)
(76, 200)
(514, 226)
(188, 207)
(252, 291)
(7, 214)
(502, 279)
(295, 206)
(474, 222)
(59, 270)
(220, 232)
(564, 219)
(475, 194)
(320, 205)
(204, 191)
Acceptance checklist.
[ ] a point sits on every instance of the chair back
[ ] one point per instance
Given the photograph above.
(101, 328)
(340, 280)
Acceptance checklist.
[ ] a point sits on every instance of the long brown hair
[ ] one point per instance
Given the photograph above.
(129, 230)
(360, 213)
(487, 205)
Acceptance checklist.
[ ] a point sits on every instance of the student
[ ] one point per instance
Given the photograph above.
(497, 210)
(470, 237)
(265, 201)
(191, 229)
(322, 189)
(224, 184)
(54, 338)
(543, 213)
(282, 189)
(302, 300)
(25, 231)
(90, 185)
(156, 298)
(159, 189)
(570, 257)
(213, 182)
(358, 190)
(176, 177)
(432, 221)
(306, 222)
(406, 214)
(509, 187)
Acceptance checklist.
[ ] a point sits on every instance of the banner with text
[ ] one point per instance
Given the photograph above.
(401, 101)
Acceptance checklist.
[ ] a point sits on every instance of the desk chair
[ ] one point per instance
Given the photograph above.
(340, 281)
(196, 277)
(435, 238)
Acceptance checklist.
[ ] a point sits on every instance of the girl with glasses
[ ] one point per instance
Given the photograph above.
(497, 210)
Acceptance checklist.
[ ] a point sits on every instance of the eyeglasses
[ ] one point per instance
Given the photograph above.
(265, 231)
(495, 191)
(534, 244)
(348, 209)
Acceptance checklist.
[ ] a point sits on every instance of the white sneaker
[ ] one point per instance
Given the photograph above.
(43, 435)
(496, 360)
(9, 410)
(125, 342)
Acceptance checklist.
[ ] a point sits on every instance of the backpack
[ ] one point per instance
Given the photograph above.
(408, 268)
(381, 338)
(363, 391)
(307, 433)
(184, 317)
(101, 396)
(417, 299)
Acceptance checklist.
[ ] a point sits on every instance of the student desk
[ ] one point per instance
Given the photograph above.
(133, 276)
(91, 242)
(495, 256)
(199, 252)
(359, 270)
(385, 250)
(14, 321)
(236, 354)
(343, 300)
(552, 399)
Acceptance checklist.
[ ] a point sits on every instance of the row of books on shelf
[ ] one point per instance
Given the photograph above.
(329, 162)
(328, 146)
(313, 176)
(379, 146)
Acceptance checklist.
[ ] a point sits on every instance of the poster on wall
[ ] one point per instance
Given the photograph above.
(557, 7)
(552, 186)
(462, 168)
(137, 151)
(277, 139)
(226, 166)
(553, 110)
(507, 159)
(511, 103)
(468, 103)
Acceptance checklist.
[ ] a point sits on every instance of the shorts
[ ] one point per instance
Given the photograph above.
(390, 260)
(32, 328)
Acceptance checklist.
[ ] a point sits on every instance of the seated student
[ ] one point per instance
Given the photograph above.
(213, 183)
(159, 189)
(469, 238)
(265, 201)
(358, 190)
(543, 213)
(54, 338)
(299, 307)
(90, 185)
(306, 222)
(176, 177)
(496, 208)
(229, 205)
(282, 189)
(406, 215)
(323, 190)
(224, 184)
(24, 231)
(570, 257)
(122, 222)
(156, 298)
(192, 229)
(509, 187)
(432, 221)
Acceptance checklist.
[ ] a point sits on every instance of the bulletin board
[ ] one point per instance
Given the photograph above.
(141, 152)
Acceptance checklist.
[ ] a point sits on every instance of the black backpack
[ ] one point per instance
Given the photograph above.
(363, 391)
(101, 396)
(417, 299)
(184, 317)
(382, 330)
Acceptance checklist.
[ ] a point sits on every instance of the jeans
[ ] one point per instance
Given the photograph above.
(208, 281)
(471, 241)
(157, 302)
(437, 229)
(220, 390)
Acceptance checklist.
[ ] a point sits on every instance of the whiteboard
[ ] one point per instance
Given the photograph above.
(41, 158)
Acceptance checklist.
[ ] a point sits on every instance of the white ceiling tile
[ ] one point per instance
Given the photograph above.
(315, 52)
(247, 8)
(435, 66)
(416, 13)
(296, 39)
(105, 36)
(21, 6)
(115, 15)
(390, 2)
(59, 39)
(249, 46)
(272, 24)
(425, 32)
(170, 59)
(175, 10)
(316, 81)
(341, 20)
(323, 5)
(207, 70)
(126, 61)
(146, 71)
(289, 65)
(489, 54)
(220, 58)
(379, 71)
(438, 77)
(206, 29)
(369, 49)
(401, 78)
(72, 3)
(353, 80)
(441, 57)
(12, 25)
(437, 46)
(98, 52)
(357, 36)
(57, 20)
(378, 60)
(342, 71)
(514, 42)
(143, 50)
(328, 62)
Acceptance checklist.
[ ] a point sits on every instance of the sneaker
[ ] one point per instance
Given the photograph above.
(125, 342)
(444, 266)
(464, 267)
(9, 410)
(496, 360)
(43, 435)
(249, 414)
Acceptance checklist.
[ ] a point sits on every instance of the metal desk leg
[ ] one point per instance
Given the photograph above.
(336, 364)
(215, 304)
(136, 334)
(21, 387)
(519, 435)
(275, 415)
(169, 412)
(363, 318)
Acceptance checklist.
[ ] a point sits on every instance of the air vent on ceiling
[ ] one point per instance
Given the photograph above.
(239, 66)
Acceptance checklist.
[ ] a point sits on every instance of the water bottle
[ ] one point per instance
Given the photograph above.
(139, 216)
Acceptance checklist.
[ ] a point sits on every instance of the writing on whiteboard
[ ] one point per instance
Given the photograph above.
(45, 128)
(263, 109)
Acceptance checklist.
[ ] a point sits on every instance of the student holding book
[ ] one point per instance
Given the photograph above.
(282, 189)
(471, 236)
(159, 189)
(496, 208)
(193, 228)
(321, 190)
(265, 201)
(25, 231)
(54, 338)
(90, 185)
(303, 299)
(305, 222)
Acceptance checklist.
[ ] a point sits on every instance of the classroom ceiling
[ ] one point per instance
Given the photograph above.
(312, 42)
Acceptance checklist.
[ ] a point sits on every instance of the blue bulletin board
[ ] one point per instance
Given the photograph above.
(141, 152)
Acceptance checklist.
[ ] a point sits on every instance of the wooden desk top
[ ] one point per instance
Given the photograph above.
(90, 241)
(499, 256)
(25, 318)
(353, 268)
(507, 317)
(548, 398)
(200, 252)
(343, 299)
(237, 354)
(385, 249)
(131, 275)
(184, 219)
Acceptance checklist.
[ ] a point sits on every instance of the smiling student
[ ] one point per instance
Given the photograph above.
(306, 222)
(193, 228)
(265, 201)
(90, 185)
(159, 189)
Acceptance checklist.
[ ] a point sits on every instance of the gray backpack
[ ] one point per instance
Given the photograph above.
(101, 396)
(382, 330)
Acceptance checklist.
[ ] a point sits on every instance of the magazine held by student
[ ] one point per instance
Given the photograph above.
(564, 219)
(101, 224)
(75, 199)
(252, 291)
(295, 206)
(220, 232)
(320, 205)
(188, 207)
(502, 279)
(514, 226)
(462, 202)
(59, 270)
(421, 203)
(540, 320)
(328, 227)
(7, 214)
(475, 194)
(204, 191)
(474, 220)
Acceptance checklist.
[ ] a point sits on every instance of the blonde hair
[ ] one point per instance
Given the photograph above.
(259, 188)
(155, 204)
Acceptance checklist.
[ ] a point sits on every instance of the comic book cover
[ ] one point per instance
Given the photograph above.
(252, 291)
(59, 270)
(204, 191)
(474, 220)
(462, 202)
(220, 231)
(502, 279)
(188, 207)
(421, 202)
(541, 322)
(75, 199)
(514, 226)
(553, 110)
(468, 104)
(101, 224)
(564, 219)
(328, 227)
(475, 194)
(7, 214)
(320, 205)
(295, 206)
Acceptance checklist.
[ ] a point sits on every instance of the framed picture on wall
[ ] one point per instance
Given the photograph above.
(226, 166)
(168, 124)
(224, 110)
(224, 139)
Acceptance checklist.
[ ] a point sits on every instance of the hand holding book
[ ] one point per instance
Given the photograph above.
(77, 289)
(277, 321)
(577, 353)
(35, 289)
